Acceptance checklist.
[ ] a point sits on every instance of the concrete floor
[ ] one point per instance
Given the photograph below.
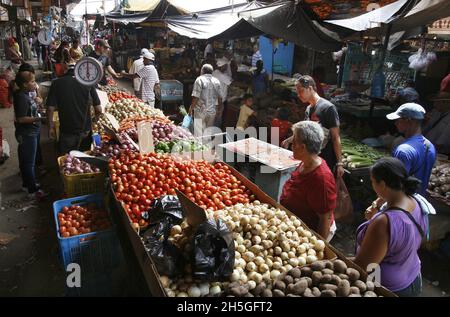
(29, 263)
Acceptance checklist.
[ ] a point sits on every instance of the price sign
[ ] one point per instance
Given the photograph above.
(145, 137)
(113, 121)
(103, 96)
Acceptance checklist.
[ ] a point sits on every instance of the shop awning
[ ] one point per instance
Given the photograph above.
(402, 14)
(290, 22)
(182, 6)
(371, 19)
(92, 7)
(224, 23)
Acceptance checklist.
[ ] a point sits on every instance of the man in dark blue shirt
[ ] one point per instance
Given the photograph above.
(416, 152)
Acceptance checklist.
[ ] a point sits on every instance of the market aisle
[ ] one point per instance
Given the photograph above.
(29, 262)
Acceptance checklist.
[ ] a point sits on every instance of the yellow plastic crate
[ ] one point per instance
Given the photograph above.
(82, 184)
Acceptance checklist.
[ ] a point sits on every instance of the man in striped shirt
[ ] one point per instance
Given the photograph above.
(149, 77)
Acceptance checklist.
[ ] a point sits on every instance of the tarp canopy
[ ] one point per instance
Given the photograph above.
(402, 14)
(224, 23)
(138, 11)
(290, 22)
(182, 6)
(371, 19)
(92, 7)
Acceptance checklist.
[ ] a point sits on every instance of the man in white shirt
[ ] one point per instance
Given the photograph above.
(223, 74)
(137, 65)
(206, 98)
(150, 79)
(256, 55)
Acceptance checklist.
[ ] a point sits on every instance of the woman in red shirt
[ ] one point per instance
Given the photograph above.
(310, 193)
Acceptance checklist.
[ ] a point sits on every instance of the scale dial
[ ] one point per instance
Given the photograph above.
(88, 71)
(45, 37)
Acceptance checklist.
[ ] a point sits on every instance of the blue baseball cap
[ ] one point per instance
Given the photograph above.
(408, 110)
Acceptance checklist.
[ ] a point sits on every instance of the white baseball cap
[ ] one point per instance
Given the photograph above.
(143, 51)
(148, 55)
(408, 110)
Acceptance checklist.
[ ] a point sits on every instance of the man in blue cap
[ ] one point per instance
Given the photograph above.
(416, 152)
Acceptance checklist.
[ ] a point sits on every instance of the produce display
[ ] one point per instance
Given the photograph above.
(440, 180)
(139, 179)
(110, 89)
(320, 279)
(73, 166)
(268, 243)
(126, 108)
(357, 155)
(180, 146)
(113, 149)
(119, 95)
(76, 220)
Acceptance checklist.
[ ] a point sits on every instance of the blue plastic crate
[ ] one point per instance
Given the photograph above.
(95, 251)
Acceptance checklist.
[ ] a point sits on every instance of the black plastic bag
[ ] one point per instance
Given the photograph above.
(163, 207)
(167, 257)
(213, 251)
(165, 213)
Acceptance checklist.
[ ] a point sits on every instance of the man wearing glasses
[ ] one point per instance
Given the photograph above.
(325, 113)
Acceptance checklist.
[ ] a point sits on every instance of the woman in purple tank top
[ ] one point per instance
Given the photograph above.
(393, 235)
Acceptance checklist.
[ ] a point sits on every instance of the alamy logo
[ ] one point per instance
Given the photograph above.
(74, 276)
(374, 274)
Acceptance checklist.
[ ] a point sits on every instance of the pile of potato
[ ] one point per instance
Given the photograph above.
(268, 244)
(440, 180)
(320, 279)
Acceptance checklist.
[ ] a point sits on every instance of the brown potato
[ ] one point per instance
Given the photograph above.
(288, 280)
(316, 292)
(309, 280)
(343, 288)
(353, 274)
(327, 271)
(370, 294)
(308, 293)
(290, 289)
(355, 290)
(343, 276)
(361, 285)
(328, 293)
(340, 266)
(316, 277)
(266, 293)
(300, 287)
(318, 265)
(295, 272)
(280, 285)
(335, 279)
(332, 287)
(326, 278)
(329, 265)
(305, 271)
(259, 289)
(278, 293)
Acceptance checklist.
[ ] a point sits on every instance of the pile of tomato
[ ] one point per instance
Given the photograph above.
(139, 179)
(116, 96)
(76, 220)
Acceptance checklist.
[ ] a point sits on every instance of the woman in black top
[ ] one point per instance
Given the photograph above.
(28, 128)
